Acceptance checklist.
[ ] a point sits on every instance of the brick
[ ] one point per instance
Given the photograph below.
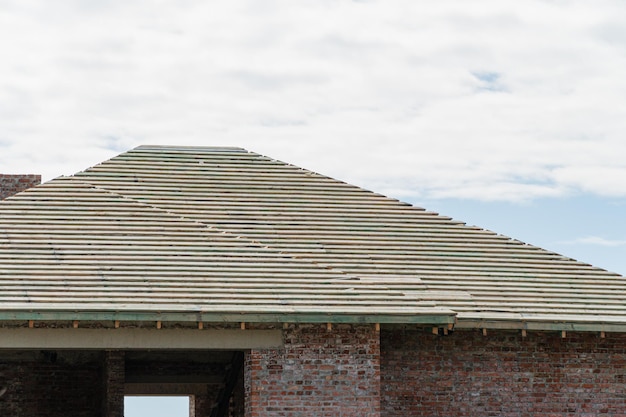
(322, 373)
(503, 374)
(50, 384)
(13, 184)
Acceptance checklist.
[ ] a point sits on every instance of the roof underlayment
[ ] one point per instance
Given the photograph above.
(227, 235)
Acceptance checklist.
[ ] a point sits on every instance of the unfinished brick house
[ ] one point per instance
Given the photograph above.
(258, 288)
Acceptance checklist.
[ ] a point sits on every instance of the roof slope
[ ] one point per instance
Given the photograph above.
(222, 233)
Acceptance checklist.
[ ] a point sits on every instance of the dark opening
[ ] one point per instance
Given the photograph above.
(212, 381)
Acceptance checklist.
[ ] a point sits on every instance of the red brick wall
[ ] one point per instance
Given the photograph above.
(318, 373)
(502, 374)
(13, 184)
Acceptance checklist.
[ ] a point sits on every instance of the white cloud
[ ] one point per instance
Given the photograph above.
(493, 100)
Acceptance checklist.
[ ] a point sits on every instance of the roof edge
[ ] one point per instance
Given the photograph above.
(431, 318)
(613, 326)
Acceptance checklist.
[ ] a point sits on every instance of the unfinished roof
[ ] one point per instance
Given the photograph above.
(223, 234)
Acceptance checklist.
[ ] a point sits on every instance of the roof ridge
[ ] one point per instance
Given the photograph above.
(190, 148)
(216, 229)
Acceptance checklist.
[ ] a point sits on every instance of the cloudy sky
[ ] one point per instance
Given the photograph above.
(509, 115)
(506, 114)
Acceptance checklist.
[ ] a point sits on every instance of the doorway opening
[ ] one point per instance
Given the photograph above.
(184, 383)
(156, 406)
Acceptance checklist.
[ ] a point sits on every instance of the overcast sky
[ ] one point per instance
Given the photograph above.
(509, 113)
(506, 114)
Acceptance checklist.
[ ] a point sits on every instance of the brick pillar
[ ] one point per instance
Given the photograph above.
(13, 184)
(113, 384)
(317, 373)
(201, 405)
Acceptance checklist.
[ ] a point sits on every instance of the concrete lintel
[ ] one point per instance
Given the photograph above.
(12, 338)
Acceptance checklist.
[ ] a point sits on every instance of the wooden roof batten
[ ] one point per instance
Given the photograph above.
(208, 234)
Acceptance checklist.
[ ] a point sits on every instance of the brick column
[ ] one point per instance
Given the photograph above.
(317, 373)
(201, 405)
(113, 384)
(13, 184)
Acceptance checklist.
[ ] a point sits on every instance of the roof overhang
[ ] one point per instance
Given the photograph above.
(535, 322)
(435, 317)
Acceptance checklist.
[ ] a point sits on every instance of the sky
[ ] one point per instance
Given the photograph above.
(508, 115)
(156, 406)
(504, 114)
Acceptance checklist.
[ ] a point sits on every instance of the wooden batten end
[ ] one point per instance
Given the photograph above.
(31, 324)
(524, 334)
(285, 326)
(377, 327)
(484, 332)
(158, 324)
(603, 334)
(242, 325)
(117, 324)
(200, 325)
(75, 324)
(329, 327)
(563, 334)
(450, 326)
(435, 330)
(445, 331)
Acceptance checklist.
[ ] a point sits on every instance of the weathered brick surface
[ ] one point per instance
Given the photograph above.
(201, 405)
(347, 372)
(317, 373)
(113, 384)
(13, 184)
(502, 374)
(47, 384)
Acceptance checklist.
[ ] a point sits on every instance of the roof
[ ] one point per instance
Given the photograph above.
(223, 234)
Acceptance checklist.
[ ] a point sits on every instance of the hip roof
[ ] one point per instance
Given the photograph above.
(223, 234)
